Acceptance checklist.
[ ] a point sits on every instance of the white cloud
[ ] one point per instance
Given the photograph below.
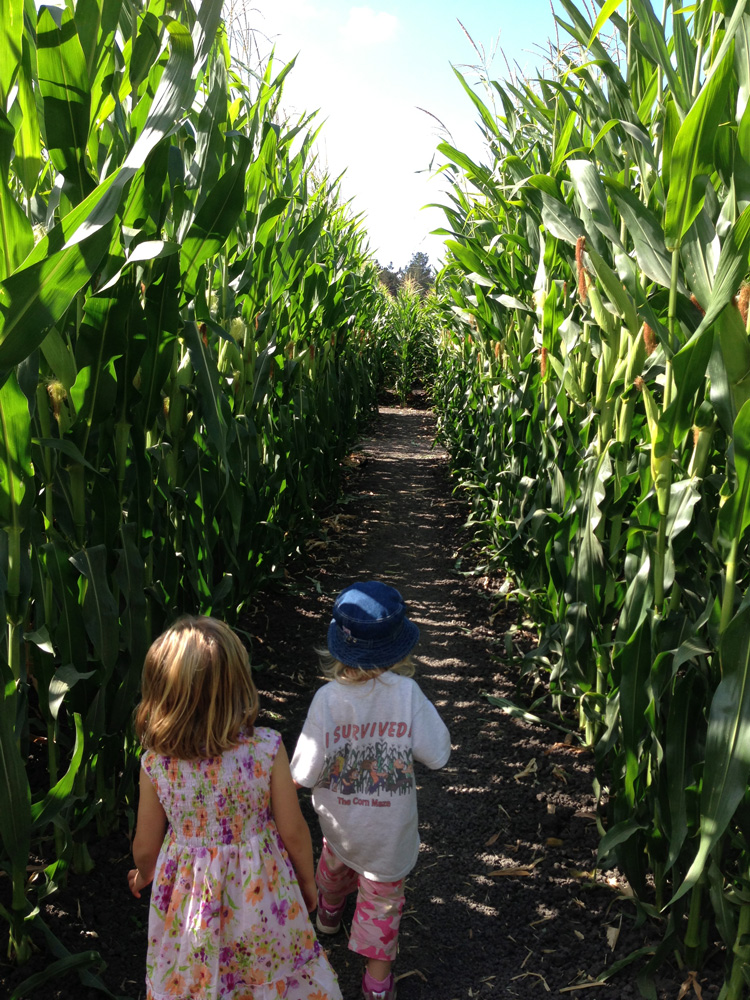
(366, 26)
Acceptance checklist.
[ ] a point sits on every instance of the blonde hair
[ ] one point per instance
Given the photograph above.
(335, 670)
(197, 692)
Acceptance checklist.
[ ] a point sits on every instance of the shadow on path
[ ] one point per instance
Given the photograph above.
(504, 901)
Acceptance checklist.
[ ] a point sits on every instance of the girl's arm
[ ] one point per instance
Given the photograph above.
(149, 835)
(292, 827)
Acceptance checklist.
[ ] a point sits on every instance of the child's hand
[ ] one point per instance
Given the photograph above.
(309, 894)
(136, 882)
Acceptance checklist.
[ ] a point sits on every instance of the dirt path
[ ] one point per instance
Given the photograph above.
(504, 901)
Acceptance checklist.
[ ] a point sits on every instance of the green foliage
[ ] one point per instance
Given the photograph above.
(189, 339)
(592, 394)
(418, 273)
(409, 350)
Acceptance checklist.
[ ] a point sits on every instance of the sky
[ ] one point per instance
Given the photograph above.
(378, 74)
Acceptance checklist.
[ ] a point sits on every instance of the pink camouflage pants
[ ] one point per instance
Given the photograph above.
(377, 915)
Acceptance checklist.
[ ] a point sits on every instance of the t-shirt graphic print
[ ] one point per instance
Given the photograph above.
(378, 769)
(357, 751)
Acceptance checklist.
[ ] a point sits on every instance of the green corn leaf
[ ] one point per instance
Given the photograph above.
(16, 470)
(11, 33)
(101, 342)
(689, 366)
(477, 174)
(727, 767)
(692, 158)
(163, 326)
(633, 661)
(100, 614)
(471, 260)
(144, 56)
(210, 139)
(619, 834)
(27, 162)
(556, 216)
(67, 631)
(142, 253)
(737, 21)
(36, 297)
(205, 30)
(60, 358)
(67, 448)
(170, 101)
(699, 252)
(211, 395)
(215, 219)
(54, 972)
(605, 13)
(562, 145)
(734, 515)
(619, 298)
(724, 913)
(16, 238)
(129, 575)
(742, 66)
(683, 497)
(639, 596)
(679, 738)
(58, 949)
(684, 49)
(729, 367)
(43, 812)
(589, 571)
(64, 86)
(485, 114)
(732, 267)
(15, 795)
(588, 186)
(64, 680)
(645, 232)
(652, 37)
(580, 29)
(96, 23)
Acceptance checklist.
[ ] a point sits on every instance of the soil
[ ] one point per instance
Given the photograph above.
(505, 900)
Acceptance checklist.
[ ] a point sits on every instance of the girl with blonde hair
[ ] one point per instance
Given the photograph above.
(220, 832)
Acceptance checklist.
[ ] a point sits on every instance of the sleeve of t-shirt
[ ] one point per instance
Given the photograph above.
(308, 759)
(431, 741)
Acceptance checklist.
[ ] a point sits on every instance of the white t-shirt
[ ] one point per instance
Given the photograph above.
(357, 751)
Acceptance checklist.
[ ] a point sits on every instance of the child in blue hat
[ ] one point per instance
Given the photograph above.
(357, 749)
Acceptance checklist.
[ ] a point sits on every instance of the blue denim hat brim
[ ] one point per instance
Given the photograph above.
(370, 628)
(372, 654)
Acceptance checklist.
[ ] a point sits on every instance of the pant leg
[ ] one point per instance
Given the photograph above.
(377, 918)
(332, 876)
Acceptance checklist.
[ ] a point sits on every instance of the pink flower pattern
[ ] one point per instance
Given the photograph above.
(227, 920)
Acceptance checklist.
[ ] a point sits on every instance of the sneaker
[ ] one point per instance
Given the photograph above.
(388, 994)
(328, 921)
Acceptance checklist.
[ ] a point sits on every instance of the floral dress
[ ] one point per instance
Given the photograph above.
(227, 918)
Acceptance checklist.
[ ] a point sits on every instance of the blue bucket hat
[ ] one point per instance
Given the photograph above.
(369, 627)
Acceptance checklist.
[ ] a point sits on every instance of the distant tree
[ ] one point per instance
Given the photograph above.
(389, 278)
(418, 271)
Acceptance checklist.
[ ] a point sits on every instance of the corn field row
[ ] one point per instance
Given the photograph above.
(191, 329)
(594, 396)
(189, 338)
